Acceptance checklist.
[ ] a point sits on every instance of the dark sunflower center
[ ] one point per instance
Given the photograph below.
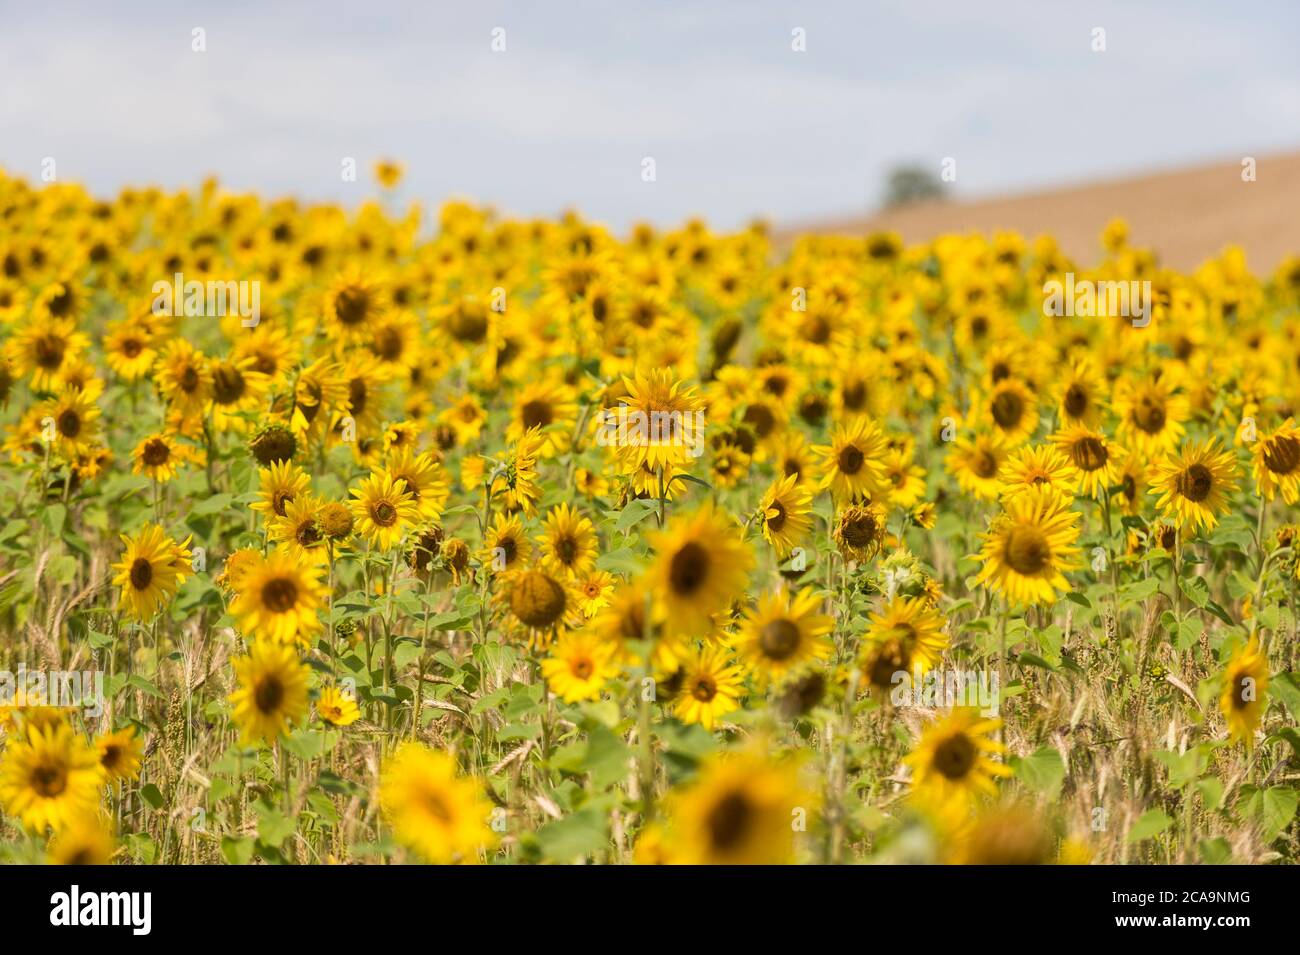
(1089, 454)
(730, 821)
(1195, 483)
(352, 305)
(1150, 415)
(891, 657)
(566, 549)
(859, 531)
(689, 569)
(189, 378)
(268, 694)
(776, 521)
(280, 594)
(984, 464)
(1076, 401)
(850, 460)
(1243, 692)
(779, 639)
(358, 394)
(537, 414)
(62, 304)
(69, 423)
(111, 756)
(955, 757)
(308, 534)
(388, 344)
(227, 385)
(49, 350)
(537, 600)
(384, 514)
(141, 573)
(132, 347)
(156, 453)
(761, 419)
(1008, 408)
(1282, 455)
(49, 780)
(704, 689)
(1027, 551)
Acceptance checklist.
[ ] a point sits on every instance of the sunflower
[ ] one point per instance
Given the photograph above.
(321, 392)
(569, 544)
(238, 388)
(702, 565)
(1151, 415)
(906, 637)
(662, 422)
(579, 665)
(1132, 481)
(159, 456)
(75, 419)
(352, 305)
(279, 484)
(633, 615)
(271, 694)
(40, 349)
(49, 777)
(853, 464)
(785, 512)
(466, 417)
(129, 350)
(951, 762)
(425, 480)
(711, 686)
(184, 376)
(300, 532)
(395, 342)
(740, 810)
(1028, 545)
(860, 531)
(1243, 698)
(337, 707)
(548, 406)
(542, 601)
(1038, 466)
(433, 810)
(1093, 458)
(1195, 485)
(782, 634)
(1080, 398)
(506, 544)
(730, 465)
(975, 462)
(388, 173)
(906, 480)
(1275, 463)
(517, 480)
(278, 599)
(152, 567)
(1011, 410)
(594, 592)
(86, 840)
(383, 509)
(120, 754)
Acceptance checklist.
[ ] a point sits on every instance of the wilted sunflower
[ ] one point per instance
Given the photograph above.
(1244, 696)
(120, 754)
(383, 509)
(785, 512)
(49, 777)
(906, 637)
(542, 601)
(278, 600)
(1275, 463)
(1027, 547)
(569, 543)
(702, 564)
(711, 686)
(860, 531)
(432, 809)
(272, 691)
(579, 665)
(782, 634)
(853, 464)
(951, 762)
(1195, 485)
(152, 567)
(740, 810)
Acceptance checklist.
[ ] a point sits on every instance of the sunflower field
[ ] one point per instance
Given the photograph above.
(345, 536)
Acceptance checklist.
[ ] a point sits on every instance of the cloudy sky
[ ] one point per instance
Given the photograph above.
(737, 122)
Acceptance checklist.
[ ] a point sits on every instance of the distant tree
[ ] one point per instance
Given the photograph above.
(912, 183)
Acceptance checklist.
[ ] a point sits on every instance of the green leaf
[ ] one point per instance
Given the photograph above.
(274, 827)
(1211, 790)
(1278, 810)
(1149, 825)
(575, 836)
(635, 512)
(238, 850)
(1043, 771)
(152, 795)
(1215, 851)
